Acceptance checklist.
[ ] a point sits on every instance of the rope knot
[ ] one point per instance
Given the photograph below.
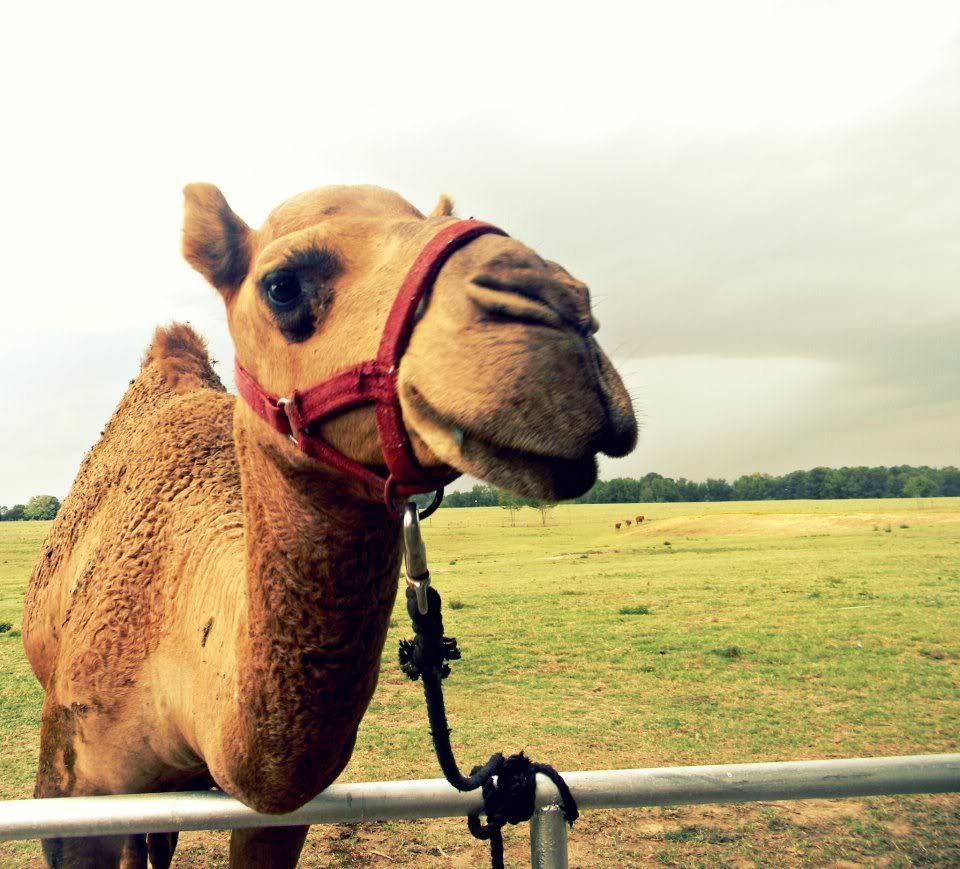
(429, 650)
(510, 799)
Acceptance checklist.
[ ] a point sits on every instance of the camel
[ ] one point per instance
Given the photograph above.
(211, 603)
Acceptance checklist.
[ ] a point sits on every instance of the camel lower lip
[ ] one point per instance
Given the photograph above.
(465, 439)
(467, 442)
(463, 436)
(564, 476)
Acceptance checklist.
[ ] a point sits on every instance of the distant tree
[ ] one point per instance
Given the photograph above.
(813, 487)
(15, 513)
(687, 490)
(718, 490)
(753, 487)
(949, 482)
(919, 486)
(620, 490)
(543, 507)
(832, 484)
(667, 490)
(874, 483)
(651, 488)
(3, 512)
(512, 504)
(41, 507)
(479, 496)
(894, 487)
(793, 485)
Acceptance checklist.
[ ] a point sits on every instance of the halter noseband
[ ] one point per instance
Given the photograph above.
(370, 382)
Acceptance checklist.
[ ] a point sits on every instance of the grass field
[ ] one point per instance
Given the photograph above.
(713, 633)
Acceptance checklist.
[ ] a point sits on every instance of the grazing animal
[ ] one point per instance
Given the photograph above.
(211, 603)
(628, 522)
(617, 526)
(639, 519)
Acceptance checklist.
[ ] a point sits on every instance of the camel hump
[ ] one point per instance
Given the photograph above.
(182, 358)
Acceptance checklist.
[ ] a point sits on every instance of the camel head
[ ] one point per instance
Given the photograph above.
(503, 378)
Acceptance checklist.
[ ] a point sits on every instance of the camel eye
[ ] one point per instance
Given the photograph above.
(283, 289)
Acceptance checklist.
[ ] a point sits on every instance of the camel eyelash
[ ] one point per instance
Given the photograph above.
(321, 263)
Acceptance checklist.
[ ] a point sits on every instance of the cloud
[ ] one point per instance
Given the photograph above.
(766, 215)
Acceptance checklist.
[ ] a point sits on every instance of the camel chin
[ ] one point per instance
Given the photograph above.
(527, 474)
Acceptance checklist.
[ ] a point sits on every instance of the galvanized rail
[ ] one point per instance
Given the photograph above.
(434, 798)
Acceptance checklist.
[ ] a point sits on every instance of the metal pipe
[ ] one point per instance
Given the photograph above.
(434, 798)
(750, 782)
(548, 839)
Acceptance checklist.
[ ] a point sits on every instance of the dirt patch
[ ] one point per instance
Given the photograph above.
(784, 524)
(816, 813)
(898, 828)
(569, 556)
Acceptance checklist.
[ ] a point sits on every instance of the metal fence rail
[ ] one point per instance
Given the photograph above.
(434, 798)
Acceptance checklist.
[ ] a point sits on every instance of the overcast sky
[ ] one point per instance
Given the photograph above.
(764, 198)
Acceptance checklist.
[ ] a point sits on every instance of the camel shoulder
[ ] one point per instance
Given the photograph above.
(173, 415)
(159, 441)
(166, 451)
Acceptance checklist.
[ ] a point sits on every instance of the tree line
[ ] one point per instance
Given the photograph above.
(38, 507)
(900, 481)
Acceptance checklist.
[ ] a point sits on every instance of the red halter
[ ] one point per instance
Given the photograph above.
(370, 382)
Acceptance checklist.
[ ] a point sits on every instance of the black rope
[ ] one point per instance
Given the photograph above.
(509, 800)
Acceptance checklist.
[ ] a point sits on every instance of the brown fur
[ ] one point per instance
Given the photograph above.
(211, 605)
(444, 207)
(180, 355)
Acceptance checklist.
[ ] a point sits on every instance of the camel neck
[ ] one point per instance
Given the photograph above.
(322, 570)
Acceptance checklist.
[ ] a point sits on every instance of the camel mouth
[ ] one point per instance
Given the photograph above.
(531, 474)
(531, 470)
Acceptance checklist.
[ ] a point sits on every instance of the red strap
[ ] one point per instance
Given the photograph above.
(420, 278)
(371, 382)
(265, 405)
(394, 440)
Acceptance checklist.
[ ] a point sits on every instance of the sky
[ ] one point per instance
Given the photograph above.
(764, 198)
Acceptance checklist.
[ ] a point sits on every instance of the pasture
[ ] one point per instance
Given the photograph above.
(712, 633)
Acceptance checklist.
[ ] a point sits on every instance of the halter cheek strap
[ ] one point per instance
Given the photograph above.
(371, 382)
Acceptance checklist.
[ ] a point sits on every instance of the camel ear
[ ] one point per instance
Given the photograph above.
(443, 208)
(216, 242)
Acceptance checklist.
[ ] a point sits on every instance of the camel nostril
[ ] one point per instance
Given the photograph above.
(587, 326)
(528, 295)
(619, 436)
(500, 300)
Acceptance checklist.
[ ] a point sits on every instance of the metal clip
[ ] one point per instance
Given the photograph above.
(415, 556)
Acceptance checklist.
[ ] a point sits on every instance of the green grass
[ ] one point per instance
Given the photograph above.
(641, 610)
(765, 631)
